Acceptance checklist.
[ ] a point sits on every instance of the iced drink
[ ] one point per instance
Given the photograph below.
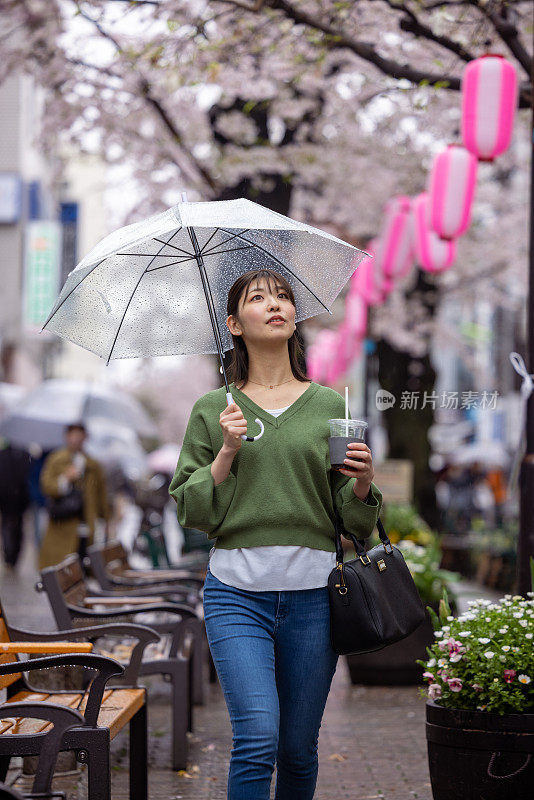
(338, 439)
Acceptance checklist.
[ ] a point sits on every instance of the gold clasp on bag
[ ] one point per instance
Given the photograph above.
(364, 561)
(341, 587)
(388, 545)
(381, 565)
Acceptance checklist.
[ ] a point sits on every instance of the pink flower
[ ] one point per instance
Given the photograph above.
(428, 676)
(509, 675)
(455, 684)
(454, 647)
(443, 644)
(477, 687)
(434, 691)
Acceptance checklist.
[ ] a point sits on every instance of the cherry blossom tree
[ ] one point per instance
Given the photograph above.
(315, 108)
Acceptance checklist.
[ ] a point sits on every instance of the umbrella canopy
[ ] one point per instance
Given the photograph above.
(159, 287)
(41, 416)
(488, 453)
(10, 396)
(116, 446)
(164, 459)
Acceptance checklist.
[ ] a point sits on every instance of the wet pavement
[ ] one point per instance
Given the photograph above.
(371, 742)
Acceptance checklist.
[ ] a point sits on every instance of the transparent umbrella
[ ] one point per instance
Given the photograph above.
(40, 417)
(159, 287)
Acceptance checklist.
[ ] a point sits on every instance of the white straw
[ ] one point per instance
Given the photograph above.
(347, 410)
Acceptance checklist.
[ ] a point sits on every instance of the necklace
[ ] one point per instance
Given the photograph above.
(270, 387)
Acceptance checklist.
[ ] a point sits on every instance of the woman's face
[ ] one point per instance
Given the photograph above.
(256, 307)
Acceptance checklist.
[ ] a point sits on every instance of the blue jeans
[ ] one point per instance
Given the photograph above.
(275, 664)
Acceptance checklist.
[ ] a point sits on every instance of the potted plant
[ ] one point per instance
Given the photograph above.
(480, 706)
(397, 663)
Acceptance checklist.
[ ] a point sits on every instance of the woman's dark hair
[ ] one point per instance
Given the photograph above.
(238, 369)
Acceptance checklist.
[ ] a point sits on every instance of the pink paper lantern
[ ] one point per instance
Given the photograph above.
(349, 347)
(368, 280)
(322, 355)
(394, 249)
(355, 314)
(490, 93)
(432, 253)
(451, 189)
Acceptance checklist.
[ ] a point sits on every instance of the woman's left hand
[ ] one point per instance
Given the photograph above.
(359, 463)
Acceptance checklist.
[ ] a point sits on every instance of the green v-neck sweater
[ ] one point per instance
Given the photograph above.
(278, 491)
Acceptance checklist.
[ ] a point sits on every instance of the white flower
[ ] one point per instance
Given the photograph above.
(518, 614)
(523, 623)
(495, 680)
(507, 596)
(442, 662)
(464, 633)
(523, 679)
(450, 619)
(489, 653)
(506, 648)
(503, 630)
(502, 658)
(455, 657)
(488, 619)
(483, 640)
(438, 634)
(528, 635)
(446, 628)
(431, 663)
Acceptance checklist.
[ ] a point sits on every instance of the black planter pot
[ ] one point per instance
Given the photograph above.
(476, 755)
(394, 665)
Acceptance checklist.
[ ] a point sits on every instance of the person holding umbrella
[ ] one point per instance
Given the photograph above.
(75, 487)
(269, 506)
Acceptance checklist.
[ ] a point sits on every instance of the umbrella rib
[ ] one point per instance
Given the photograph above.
(209, 240)
(131, 298)
(148, 255)
(232, 250)
(164, 266)
(155, 238)
(232, 236)
(52, 313)
(281, 263)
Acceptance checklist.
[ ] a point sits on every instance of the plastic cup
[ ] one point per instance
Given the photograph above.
(338, 439)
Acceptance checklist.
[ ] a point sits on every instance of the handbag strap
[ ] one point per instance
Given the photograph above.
(359, 544)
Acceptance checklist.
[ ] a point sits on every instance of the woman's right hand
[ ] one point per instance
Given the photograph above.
(233, 424)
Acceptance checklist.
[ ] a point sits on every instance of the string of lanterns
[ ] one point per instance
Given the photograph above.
(424, 230)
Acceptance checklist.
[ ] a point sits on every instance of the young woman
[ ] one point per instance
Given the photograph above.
(269, 505)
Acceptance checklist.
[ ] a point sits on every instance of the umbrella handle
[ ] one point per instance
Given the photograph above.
(229, 401)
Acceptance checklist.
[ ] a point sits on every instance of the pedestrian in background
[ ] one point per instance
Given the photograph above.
(14, 499)
(71, 478)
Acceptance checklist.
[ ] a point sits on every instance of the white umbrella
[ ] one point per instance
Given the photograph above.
(41, 416)
(165, 458)
(159, 287)
(488, 453)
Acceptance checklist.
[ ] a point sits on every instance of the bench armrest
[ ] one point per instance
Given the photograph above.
(52, 648)
(142, 633)
(104, 667)
(114, 600)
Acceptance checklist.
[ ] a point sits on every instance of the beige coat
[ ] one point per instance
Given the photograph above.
(61, 537)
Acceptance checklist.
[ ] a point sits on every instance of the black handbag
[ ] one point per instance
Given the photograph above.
(373, 598)
(67, 506)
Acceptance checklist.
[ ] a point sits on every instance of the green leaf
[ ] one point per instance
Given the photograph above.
(434, 617)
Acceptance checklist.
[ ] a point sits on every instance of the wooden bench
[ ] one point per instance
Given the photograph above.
(110, 566)
(105, 711)
(62, 720)
(73, 605)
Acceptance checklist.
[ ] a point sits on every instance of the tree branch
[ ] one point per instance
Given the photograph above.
(411, 24)
(508, 33)
(161, 112)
